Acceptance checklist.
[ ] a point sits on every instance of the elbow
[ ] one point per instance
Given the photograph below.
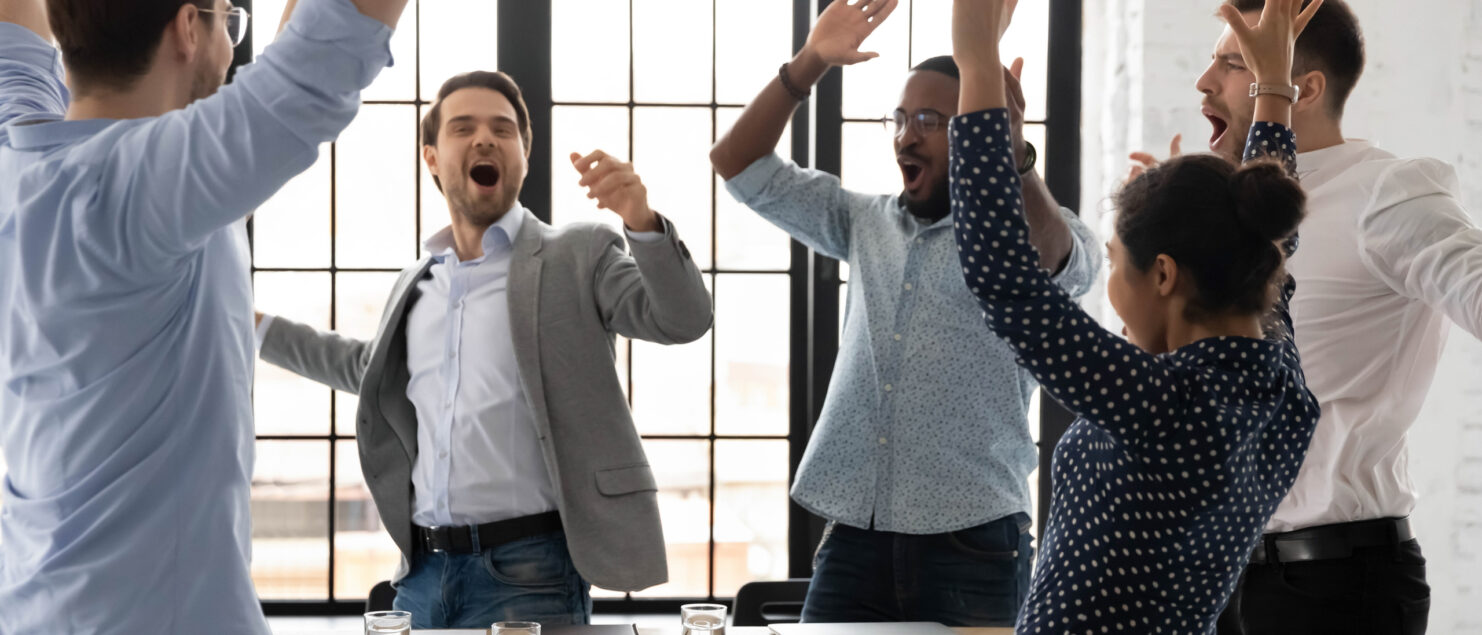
(695, 326)
(722, 161)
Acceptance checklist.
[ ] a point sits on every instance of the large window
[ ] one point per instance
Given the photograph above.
(724, 419)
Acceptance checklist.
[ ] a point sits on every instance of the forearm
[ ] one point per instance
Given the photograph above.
(1047, 229)
(27, 13)
(388, 12)
(287, 13)
(325, 357)
(760, 126)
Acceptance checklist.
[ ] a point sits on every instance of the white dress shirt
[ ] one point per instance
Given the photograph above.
(478, 457)
(1387, 256)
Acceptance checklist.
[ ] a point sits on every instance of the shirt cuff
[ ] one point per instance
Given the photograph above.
(261, 332)
(1083, 263)
(25, 46)
(340, 23)
(644, 237)
(755, 177)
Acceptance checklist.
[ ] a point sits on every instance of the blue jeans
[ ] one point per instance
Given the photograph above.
(531, 579)
(974, 577)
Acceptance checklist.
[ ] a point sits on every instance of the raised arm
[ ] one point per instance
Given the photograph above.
(658, 294)
(1099, 376)
(834, 41)
(387, 12)
(1268, 47)
(212, 164)
(31, 80)
(27, 13)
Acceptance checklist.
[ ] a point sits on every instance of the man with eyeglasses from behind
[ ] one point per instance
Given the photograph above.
(126, 348)
(924, 479)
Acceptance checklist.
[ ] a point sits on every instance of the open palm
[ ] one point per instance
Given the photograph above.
(842, 28)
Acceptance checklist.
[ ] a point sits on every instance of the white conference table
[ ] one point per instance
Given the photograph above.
(737, 630)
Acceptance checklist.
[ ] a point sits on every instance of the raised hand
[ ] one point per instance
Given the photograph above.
(1014, 91)
(842, 28)
(616, 187)
(977, 27)
(1268, 47)
(1143, 161)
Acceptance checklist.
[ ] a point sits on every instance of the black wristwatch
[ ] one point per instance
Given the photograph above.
(1030, 158)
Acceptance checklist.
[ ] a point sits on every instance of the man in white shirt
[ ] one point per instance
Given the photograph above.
(493, 430)
(1388, 255)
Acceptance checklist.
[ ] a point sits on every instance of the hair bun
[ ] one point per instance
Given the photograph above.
(1267, 201)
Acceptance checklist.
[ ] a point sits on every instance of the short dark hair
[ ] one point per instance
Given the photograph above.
(1333, 43)
(496, 81)
(943, 64)
(1220, 223)
(112, 43)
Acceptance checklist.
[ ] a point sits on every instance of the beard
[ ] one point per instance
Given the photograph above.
(478, 210)
(936, 206)
(205, 83)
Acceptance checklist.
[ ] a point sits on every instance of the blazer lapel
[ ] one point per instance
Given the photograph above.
(524, 310)
(390, 362)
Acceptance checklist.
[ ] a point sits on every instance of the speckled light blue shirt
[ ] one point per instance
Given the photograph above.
(925, 426)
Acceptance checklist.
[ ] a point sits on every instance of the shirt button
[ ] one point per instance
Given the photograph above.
(908, 286)
(883, 441)
(889, 388)
(920, 241)
(897, 337)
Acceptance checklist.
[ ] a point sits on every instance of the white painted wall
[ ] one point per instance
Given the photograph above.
(1421, 95)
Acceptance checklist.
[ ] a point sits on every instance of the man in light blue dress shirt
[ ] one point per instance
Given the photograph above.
(922, 454)
(125, 333)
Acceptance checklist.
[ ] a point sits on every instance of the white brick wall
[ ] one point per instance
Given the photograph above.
(1421, 96)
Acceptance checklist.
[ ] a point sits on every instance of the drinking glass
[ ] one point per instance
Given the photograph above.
(388, 623)
(703, 619)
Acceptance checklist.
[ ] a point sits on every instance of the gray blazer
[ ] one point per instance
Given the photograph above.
(570, 289)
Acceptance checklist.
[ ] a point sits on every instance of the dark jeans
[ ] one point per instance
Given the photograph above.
(531, 579)
(1378, 590)
(973, 577)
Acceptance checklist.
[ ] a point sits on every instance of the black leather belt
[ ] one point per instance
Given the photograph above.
(1331, 542)
(459, 539)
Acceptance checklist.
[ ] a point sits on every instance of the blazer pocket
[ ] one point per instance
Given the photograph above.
(626, 480)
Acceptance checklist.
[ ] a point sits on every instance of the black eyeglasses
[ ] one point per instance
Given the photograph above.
(236, 23)
(924, 122)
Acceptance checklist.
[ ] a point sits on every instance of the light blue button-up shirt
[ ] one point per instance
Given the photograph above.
(925, 426)
(126, 330)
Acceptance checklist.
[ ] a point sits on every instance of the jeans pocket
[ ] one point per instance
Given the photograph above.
(995, 541)
(530, 562)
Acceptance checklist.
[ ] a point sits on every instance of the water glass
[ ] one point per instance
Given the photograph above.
(388, 623)
(703, 619)
(516, 628)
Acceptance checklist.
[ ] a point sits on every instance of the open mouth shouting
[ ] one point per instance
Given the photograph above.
(485, 176)
(913, 174)
(1221, 126)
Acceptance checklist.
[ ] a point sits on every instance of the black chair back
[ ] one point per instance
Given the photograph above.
(381, 597)
(771, 602)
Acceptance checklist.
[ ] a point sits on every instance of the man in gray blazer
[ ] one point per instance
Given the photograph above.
(494, 434)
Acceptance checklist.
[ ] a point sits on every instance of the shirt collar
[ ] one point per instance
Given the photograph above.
(34, 133)
(500, 235)
(1332, 156)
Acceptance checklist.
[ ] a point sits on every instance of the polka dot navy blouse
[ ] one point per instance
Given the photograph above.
(1164, 483)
